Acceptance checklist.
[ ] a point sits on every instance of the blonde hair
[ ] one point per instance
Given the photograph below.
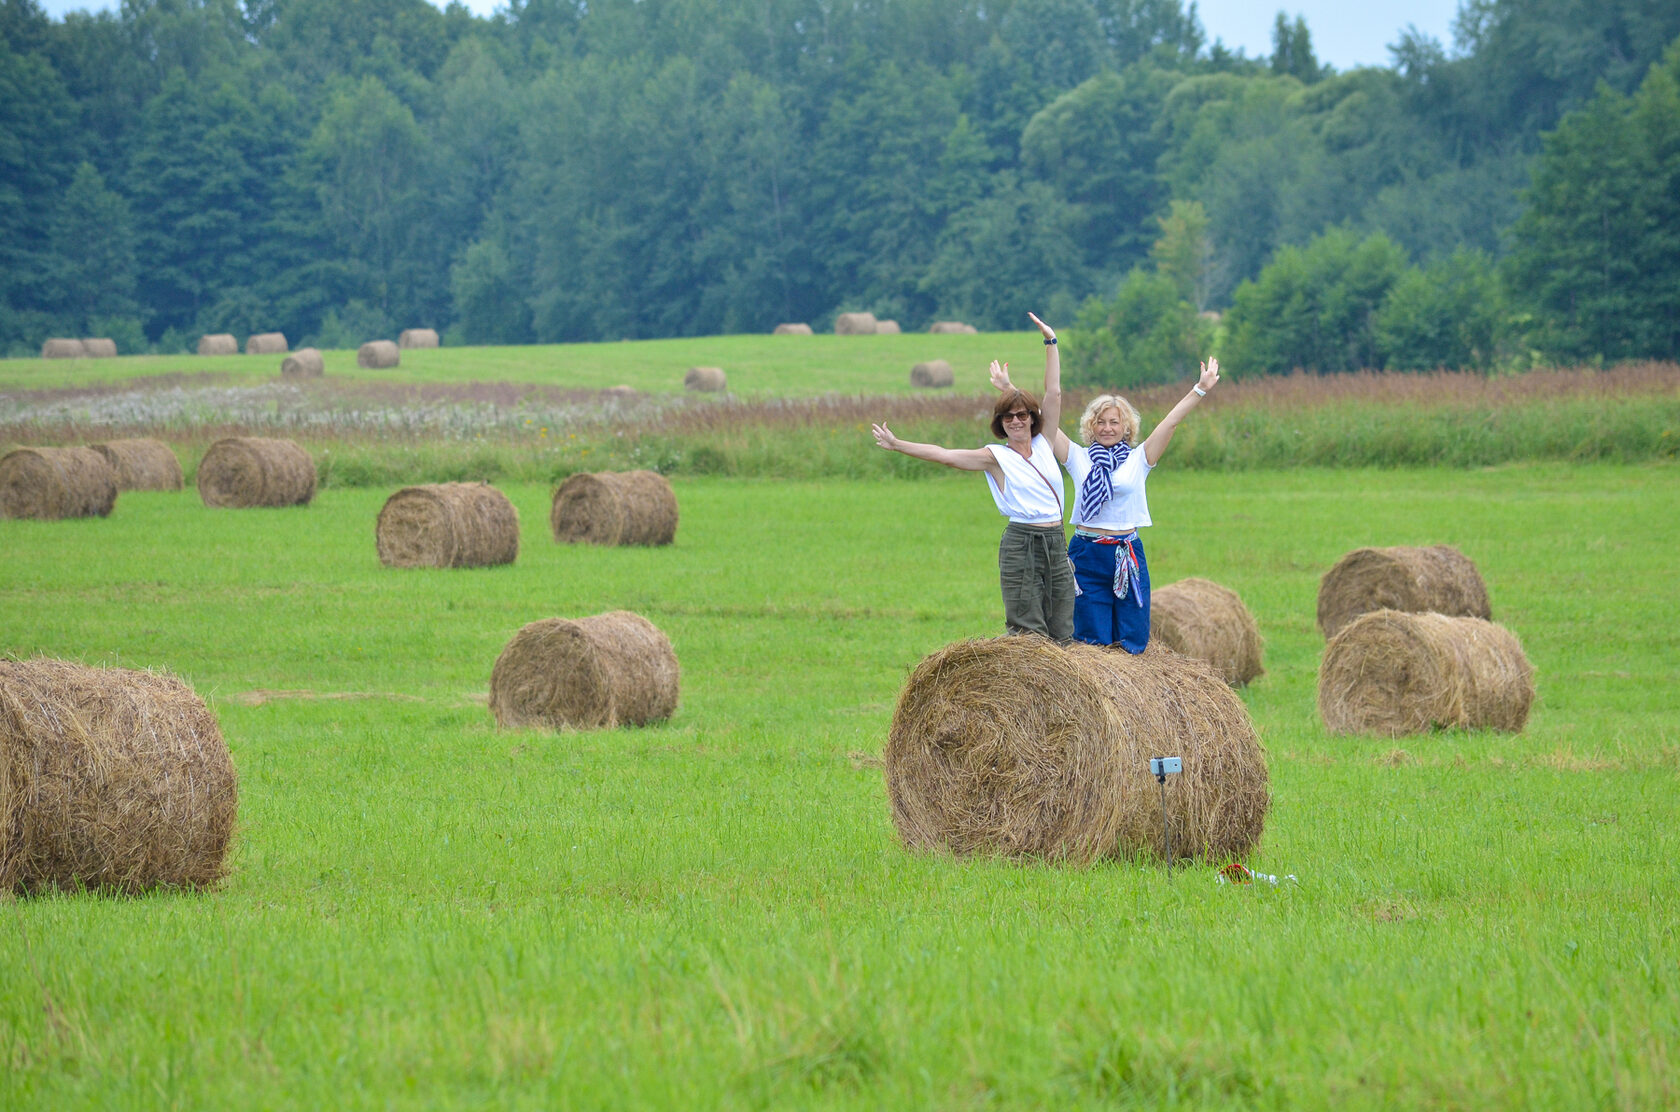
(1128, 418)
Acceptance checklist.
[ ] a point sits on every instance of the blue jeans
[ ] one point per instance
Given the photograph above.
(1098, 617)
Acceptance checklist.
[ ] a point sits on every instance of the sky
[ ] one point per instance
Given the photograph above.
(1345, 33)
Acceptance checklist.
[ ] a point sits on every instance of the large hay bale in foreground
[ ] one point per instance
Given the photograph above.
(61, 348)
(218, 343)
(448, 525)
(614, 508)
(608, 670)
(110, 779)
(887, 328)
(303, 363)
(1023, 747)
(1199, 618)
(142, 463)
(267, 343)
(952, 328)
(931, 375)
(791, 329)
(709, 379)
(855, 324)
(99, 347)
(54, 483)
(249, 471)
(378, 355)
(1439, 578)
(417, 338)
(1390, 672)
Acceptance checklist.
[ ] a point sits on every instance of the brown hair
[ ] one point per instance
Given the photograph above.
(1006, 402)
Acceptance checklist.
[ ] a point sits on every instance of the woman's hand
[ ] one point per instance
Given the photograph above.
(1049, 333)
(884, 437)
(1210, 375)
(1000, 376)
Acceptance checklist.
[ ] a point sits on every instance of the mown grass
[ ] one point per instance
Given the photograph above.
(427, 912)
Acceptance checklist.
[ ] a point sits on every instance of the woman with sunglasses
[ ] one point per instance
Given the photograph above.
(1026, 485)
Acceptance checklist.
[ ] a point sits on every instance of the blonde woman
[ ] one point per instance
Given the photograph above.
(1111, 575)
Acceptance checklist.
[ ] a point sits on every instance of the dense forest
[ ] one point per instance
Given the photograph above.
(605, 169)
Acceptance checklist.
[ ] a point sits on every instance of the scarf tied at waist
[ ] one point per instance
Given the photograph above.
(1125, 562)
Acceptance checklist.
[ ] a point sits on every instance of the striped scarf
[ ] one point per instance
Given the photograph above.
(1098, 486)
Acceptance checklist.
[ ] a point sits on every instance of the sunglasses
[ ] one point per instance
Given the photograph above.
(1018, 415)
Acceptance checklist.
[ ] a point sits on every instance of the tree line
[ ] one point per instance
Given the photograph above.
(603, 169)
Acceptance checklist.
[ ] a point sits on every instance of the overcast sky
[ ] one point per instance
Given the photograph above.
(1345, 33)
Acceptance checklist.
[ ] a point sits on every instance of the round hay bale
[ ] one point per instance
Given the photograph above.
(59, 348)
(614, 508)
(608, 670)
(110, 779)
(620, 391)
(378, 354)
(1390, 672)
(1439, 578)
(417, 338)
(267, 343)
(1199, 618)
(790, 329)
(303, 363)
(1023, 747)
(142, 464)
(952, 328)
(710, 379)
(855, 324)
(54, 483)
(218, 343)
(100, 347)
(887, 328)
(246, 471)
(931, 375)
(448, 525)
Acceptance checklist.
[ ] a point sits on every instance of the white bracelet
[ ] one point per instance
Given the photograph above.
(1200, 393)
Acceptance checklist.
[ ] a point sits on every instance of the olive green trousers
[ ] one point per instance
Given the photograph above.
(1037, 581)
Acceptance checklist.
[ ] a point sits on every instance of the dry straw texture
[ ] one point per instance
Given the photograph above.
(378, 354)
(933, 373)
(100, 347)
(448, 525)
(855, 324)
(608, 670)
(1439, 578)
(1199, 618)
(142, 464)
(614, 508)
(418, 338)
(1023, 747)
(218, 343)
(710, 379)
(952, 328)
(110, 779)
(303, 363)
(790, 329)
(622, 390)
(887, 328)
(52, 483)
(267, 343)
(1390, 672)
(59, 348)
(246, 471)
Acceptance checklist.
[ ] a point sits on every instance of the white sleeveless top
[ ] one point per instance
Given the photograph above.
(1032, 489)
(1127, 507)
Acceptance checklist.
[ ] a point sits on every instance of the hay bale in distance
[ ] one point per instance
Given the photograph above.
(267, 343)
(1023, 747)
(708, 379)
(378, 355)
(100, 347)
(142, 464)
(622, 390)
(952, 328)
(887, 328)
(60, 348)
(1199, 618)
(417, 338)
(614, 669)
(1390, 672)
(248, 471)
(790, 329)
(932, 374)
(303, 363)
(218, 343)
(110, 779)
(1439, 578)
(614, 508)
(448, 525)
(855, 324)
(54, 483)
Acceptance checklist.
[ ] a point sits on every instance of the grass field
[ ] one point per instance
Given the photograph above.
(424, 911)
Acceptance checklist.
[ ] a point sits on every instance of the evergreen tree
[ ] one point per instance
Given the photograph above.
(91, 276)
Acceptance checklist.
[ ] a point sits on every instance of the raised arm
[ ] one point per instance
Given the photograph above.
(1052, 404)
(963, 459)
(1158, 440)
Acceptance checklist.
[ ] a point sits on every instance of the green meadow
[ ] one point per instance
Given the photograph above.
(425, 911)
